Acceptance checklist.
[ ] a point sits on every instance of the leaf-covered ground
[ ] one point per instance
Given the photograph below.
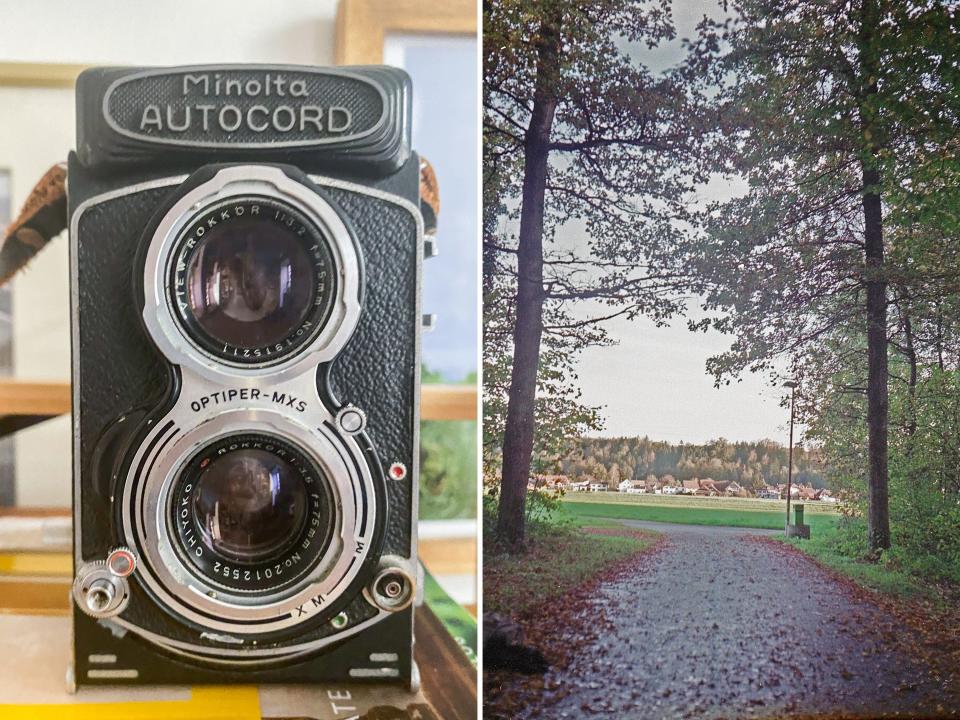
(559, 559)
(716, 624)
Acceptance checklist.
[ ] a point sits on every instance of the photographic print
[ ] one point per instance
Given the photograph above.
(721, 359)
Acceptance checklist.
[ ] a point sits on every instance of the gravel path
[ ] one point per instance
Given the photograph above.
(716, 625)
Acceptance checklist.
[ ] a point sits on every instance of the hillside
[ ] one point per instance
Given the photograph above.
(749, 463)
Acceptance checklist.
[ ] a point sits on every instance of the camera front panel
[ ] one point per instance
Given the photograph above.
(246, 373)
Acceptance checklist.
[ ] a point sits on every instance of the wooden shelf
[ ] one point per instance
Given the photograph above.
(449, 556)
(448, 402)
(51, 75)
(35, 588)
(19, 397)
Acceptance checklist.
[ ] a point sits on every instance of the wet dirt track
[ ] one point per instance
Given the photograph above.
(718, 625)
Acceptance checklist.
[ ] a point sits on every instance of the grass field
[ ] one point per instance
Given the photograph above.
(698, 501)
(733, 512)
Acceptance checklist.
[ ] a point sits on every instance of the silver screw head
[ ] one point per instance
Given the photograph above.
(99, 595)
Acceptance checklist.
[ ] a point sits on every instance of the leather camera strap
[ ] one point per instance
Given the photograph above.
(44, 216)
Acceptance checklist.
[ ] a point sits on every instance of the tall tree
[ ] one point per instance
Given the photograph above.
(831, 100)
(560, 414)
(583, 137)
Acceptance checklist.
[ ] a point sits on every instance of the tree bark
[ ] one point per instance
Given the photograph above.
(528, 329)
(911, 351)
(878, 518)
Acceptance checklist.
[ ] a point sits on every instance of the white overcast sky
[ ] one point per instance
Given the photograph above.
(654, 381)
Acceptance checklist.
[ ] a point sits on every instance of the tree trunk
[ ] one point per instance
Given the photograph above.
(519, 428)
(878, 518)
(912, 381)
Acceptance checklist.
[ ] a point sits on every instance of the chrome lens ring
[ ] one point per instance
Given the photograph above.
(252, 280)
(251, 512)
(329, 324)
(204, 600)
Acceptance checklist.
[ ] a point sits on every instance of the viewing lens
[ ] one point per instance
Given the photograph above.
(253, 280)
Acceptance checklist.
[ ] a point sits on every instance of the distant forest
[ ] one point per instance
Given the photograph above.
(751, 464)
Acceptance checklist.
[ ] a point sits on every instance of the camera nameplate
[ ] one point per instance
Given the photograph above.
(195, 100)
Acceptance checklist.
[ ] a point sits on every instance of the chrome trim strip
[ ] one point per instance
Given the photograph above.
(235, 657)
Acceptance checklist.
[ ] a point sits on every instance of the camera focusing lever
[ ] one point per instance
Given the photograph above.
(98, 590)
(393, 588)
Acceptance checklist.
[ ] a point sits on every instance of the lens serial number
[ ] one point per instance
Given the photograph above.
(231, 572)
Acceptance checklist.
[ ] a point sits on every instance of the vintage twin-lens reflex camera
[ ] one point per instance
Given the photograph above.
(246, 245)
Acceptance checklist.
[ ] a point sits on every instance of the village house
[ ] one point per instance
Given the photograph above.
(794, 492)
(554, 482)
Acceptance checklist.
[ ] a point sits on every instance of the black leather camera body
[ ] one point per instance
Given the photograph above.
(246, 254)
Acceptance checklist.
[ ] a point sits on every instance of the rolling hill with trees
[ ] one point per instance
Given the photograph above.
(751, 464)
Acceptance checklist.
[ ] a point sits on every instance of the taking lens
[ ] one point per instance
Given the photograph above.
(252, 511)
(252, 280)
(250, 504)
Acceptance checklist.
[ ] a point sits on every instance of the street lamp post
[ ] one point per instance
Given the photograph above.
(792, 384)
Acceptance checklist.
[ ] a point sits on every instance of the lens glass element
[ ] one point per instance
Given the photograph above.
(252, 512)
(249, 504)
(253, 280)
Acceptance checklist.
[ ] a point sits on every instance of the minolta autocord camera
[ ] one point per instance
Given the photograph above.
(246, 248)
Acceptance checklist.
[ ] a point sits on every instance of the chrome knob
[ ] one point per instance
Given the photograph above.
(99, 592)
(351, 420)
